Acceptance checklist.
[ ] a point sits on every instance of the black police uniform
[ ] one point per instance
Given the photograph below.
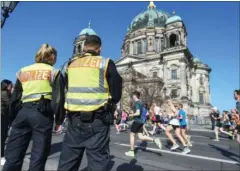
(92, 134)
(29, 123)
(5, 100)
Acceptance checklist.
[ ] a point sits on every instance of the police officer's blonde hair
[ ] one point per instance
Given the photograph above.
(45, 54)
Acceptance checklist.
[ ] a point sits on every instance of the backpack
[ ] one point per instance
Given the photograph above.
(143, 114)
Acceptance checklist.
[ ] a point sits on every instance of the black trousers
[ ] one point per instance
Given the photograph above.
(213, 124)
(4, 131)
(29, 123)
(93, 136)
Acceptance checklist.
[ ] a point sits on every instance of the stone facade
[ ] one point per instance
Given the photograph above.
(156, 60)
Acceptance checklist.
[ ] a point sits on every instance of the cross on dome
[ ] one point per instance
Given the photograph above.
(151, 5)
(89, 24)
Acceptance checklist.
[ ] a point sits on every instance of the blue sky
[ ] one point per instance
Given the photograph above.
(213, 35)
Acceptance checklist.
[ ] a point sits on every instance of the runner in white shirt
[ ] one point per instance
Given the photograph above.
(158, 122)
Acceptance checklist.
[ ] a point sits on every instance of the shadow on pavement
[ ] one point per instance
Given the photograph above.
(226, 153)
(143, 146)
(110, 164)
(130, 166)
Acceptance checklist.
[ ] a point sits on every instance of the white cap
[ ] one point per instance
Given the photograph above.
(214, 108)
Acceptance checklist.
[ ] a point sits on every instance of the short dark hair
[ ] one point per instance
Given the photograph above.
(237, 91)
(93, 41)
(136, 93)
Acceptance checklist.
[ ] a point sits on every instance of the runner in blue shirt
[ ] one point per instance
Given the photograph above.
(183, 123)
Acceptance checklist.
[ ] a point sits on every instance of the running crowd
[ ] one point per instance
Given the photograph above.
(141, 116)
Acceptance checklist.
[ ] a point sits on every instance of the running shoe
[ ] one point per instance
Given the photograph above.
(189, 138)
(157, 141)
(130, 153)
(186, 150)
(3, 160)
(174, 147)
(189, 144)
(216, 140)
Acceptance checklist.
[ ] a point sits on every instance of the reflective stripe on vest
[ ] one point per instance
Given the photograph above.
(36, 81)
(95, 94)
(34, 96)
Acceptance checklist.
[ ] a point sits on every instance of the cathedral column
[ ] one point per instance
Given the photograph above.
(131, 48)
(207, 93)
(165, 72)
(183, 77)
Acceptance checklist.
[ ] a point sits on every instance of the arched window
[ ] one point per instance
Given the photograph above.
(139, 47)
(173, 40)
(201, 95)
(162, 43)
(154, 74)
(157, 44)
(174, 93)
(174, 74)
(146, 45)
(79, 48)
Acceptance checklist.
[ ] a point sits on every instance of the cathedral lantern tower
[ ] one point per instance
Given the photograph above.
(79, 40)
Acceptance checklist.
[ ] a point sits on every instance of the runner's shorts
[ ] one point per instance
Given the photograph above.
(219, 124)
(238, 128)
(183, 126)
(137, 127)
(124, 121)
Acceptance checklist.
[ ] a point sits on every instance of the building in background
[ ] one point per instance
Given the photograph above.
(157, 61)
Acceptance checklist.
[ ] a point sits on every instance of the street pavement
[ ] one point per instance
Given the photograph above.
(205, 155)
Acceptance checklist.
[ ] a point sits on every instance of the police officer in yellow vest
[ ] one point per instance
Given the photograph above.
(34, 101)
(92, 83)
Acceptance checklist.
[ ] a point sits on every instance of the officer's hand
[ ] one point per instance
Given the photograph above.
(58, 129)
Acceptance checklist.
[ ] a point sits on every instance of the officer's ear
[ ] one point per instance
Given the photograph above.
(53, 58)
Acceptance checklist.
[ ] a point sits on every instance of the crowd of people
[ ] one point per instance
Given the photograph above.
(228, 123)
(141, 115)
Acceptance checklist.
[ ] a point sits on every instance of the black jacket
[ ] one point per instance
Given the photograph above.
(5, 101)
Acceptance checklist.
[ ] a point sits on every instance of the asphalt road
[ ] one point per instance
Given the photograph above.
(205, 155)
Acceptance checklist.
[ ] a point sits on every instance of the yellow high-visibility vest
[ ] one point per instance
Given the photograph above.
(36, 81)
(87, 84)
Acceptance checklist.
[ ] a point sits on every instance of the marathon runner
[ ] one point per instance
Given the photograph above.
(124, 120)
(183, 124)
(236, 120)
(157, 121)
(137, 126)
(219, 126)
(175, 124)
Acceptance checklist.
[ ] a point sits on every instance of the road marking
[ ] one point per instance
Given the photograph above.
(185, 155)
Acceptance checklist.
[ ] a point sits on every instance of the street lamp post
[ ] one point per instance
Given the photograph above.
(7, 8)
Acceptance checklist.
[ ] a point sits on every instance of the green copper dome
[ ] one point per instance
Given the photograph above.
(87, 31)
(173, 19)
(149, 19)
(196, 60)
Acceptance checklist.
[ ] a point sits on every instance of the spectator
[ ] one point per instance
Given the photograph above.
(237, 98)
(213, 114)
(6, 87)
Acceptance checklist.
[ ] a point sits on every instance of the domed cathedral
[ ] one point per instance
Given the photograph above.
(157, 61)
(80, 39)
